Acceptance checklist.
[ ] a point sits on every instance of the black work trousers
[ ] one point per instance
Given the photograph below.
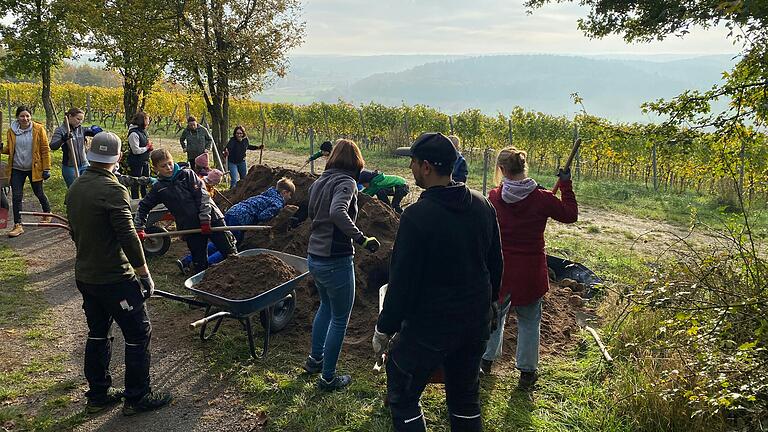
(139, 169)
(122, 303)
(18, 178)
(412, 361)
(198, 245)
(397, 193)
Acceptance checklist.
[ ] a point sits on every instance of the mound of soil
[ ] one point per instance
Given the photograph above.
(558, 326)
(263, 177)
(239, 278)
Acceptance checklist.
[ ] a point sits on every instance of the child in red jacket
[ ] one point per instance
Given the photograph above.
(522, 209)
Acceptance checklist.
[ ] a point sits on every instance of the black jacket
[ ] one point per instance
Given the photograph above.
(185, 196)
(446, 267)
(237, 149)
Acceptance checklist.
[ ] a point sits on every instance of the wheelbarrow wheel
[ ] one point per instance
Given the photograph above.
(156, 246)
(282, 314)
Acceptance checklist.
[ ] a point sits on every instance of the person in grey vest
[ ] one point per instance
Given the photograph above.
(195, 140)
(140, 148)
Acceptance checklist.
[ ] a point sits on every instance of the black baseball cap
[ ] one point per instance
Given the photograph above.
(432, 147)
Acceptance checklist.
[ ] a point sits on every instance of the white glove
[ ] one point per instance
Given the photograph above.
(380, 341)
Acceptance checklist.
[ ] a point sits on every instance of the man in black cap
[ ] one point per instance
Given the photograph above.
(439, 301)
(112, 276)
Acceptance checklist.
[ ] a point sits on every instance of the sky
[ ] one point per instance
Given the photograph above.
(371, 27)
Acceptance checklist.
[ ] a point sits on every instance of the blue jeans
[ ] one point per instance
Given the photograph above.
(528, 331)
(335, 281)
(68, 172)
(236, 172)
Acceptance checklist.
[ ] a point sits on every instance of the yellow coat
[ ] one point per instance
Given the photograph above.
(41, 153)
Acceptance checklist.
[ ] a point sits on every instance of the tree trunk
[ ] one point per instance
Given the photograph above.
(45, 75)
(130, 98)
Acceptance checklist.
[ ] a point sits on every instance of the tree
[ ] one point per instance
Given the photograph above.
(42, 33)
(134, 38)
(234, 47)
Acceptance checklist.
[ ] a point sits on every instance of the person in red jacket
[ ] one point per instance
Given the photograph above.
(522, 209)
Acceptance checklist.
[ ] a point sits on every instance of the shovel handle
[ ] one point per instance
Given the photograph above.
(42, 214)
(214, 229)
(574, 150)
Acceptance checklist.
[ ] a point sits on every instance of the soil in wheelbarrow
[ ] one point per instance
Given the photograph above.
(239, 278)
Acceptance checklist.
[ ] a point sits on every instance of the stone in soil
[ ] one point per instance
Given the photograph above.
(239, 278)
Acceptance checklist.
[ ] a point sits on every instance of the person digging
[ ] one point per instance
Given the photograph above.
(440, 303)
(114, 280)
(383, 186)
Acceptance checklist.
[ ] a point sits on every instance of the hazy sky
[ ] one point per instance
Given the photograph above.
(467, 27)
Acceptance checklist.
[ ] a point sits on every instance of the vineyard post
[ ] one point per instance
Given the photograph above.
(263, 123)
(578, 154)
(510, 131)
(186, 110)
(325, 122)
(450, 123)
(486, 158)
(654, 167)
(8, 102)
(311, 150)
(88, 107)
(362, 124)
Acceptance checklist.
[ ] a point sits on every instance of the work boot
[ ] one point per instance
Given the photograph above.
(485, 366)
(527, 381)
(313, 366)
(182, 268)
(337, 383)
(16, 231)
(100, 403)
(149, 402)
(46, 219)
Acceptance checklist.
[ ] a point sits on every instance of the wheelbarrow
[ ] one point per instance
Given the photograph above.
(156, 246)
(563, 268)
(275, 306)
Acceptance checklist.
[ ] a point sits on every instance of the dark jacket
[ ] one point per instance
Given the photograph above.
(435, 292)
(460, 170)
(522, 226)
(78, 142)
(185, 197)
(195, 142)
(141, 154)
(237, 149)
(99, 214)
(333, 211)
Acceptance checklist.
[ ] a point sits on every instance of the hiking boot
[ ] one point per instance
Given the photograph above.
(16, 231)
(313, 366)
(100, 403)
(337, 383)
(485, 366)
(182, 268)
(527, 381)
(46, 219)
(149, 402)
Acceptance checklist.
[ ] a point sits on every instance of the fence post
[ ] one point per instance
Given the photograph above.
(486, 158)
(88, 107)
(8, 102)
(510, 132)
(311, 150)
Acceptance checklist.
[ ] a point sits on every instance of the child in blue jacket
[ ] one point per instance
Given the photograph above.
(252, 211)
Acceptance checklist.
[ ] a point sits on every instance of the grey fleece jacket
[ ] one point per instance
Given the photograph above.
(333, 211)
(22, 156)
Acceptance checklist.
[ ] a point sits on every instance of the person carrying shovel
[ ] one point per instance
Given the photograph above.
(440, 303)
(185, 196)
(112, 276)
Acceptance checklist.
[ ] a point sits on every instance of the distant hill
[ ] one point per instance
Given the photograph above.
(611, 87)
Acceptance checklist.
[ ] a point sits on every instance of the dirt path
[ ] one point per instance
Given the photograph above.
(202, 402)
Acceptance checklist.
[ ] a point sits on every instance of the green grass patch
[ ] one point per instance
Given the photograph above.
(20, 304)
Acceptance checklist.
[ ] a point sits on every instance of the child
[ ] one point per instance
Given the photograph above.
(325, 150)
(382, 186)
(460, 170)
(211, 177)
(184, 194)
(252, 211)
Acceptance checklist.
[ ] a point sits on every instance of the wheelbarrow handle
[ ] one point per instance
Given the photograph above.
(214, 229)
(43, 214)
(209, 318)
(183, 299)
(46, 225)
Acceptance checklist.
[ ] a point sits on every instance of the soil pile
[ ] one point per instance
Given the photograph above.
(239, 278)
(263, 177)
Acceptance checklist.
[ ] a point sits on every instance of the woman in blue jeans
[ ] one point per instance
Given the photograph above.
(333, 211)
(72, 128)
(235, 154)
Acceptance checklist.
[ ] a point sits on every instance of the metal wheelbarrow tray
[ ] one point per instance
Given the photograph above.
(280, 299)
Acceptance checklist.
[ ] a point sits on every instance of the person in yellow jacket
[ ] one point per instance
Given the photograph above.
(28, 157)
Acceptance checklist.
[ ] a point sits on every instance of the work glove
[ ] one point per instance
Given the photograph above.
(371, 244)
(205, 228)
(494, 316)
(564, 175)
(142, 235)
(46, 174)
(380, 341)
(147, 285)
(150, 147)
(92, 131)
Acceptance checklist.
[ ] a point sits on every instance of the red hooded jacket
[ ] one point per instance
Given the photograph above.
(522, 227)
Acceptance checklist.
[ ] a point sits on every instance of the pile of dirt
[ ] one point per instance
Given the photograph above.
(263, 177)
(558, 326)
(239, 278)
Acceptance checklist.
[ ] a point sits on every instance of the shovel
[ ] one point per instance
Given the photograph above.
(574, 151)
(213, 229)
